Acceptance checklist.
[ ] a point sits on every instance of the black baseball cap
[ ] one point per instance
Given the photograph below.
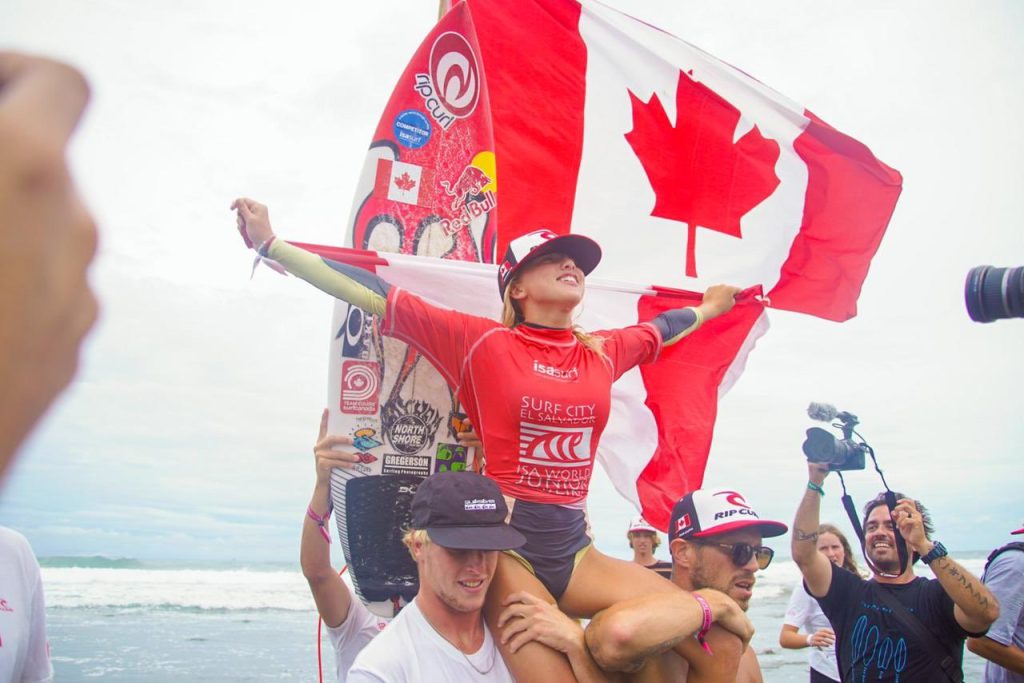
(703, 513)
(583, 250)
(463, 511)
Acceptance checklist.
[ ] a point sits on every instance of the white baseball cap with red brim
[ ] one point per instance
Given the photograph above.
(705, 513)
(583, 250)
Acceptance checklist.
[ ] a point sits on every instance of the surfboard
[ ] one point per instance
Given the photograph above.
(403, 422)
(428, 188)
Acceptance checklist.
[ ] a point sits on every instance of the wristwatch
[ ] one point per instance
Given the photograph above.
(937, 551)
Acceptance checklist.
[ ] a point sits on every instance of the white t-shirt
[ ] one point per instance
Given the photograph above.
(804, 613)
(24, 652)
(411, 651)
(1005, 578)
(352, 635)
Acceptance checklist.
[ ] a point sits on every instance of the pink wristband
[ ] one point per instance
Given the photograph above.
(321, 521)
(706, 626)
(264, 248)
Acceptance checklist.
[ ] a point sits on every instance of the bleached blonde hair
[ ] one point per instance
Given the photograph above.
(414, 536)
(654, 545)
(512, 316)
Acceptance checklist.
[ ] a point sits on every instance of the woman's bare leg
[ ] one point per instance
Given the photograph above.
(600, 581)
(533, 661)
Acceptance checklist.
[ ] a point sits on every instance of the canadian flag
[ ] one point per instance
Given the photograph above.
(401, 182)
(574, 117)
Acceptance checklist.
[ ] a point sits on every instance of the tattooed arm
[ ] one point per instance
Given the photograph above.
(975, 608)
(815, 567)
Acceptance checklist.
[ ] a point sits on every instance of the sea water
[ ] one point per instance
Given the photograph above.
(122, 620)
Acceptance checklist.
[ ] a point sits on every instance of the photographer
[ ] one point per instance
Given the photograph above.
(874, 620)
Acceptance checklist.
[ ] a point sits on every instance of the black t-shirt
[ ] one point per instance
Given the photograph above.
(662, 567)
(873, 645)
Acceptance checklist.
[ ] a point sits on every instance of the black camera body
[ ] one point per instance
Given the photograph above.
(821, 446)
(839, 454)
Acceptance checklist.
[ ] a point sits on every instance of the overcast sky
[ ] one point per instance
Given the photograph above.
(187, 434)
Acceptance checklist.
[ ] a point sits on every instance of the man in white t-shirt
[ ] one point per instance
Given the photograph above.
(351, 626)
(24, 652)
(458, 527)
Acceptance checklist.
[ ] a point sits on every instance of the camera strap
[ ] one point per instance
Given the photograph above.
(901, 545)
(851, 513)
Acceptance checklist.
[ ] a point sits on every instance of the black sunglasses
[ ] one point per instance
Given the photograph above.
(740, 553)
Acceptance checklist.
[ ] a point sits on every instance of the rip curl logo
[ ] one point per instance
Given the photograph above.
(451, 89)
(738, 503)
(527, 243)
(359, 387)
(734, 498)
(554, 446)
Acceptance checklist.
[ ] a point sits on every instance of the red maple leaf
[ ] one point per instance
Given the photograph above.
(404, 182)
(699, 176)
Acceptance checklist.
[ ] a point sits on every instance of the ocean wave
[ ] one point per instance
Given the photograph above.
(91, 561)
(176, 589)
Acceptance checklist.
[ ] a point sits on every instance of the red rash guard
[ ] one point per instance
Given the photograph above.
(537, 396)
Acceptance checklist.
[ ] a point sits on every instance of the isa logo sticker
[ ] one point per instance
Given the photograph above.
(412, 129)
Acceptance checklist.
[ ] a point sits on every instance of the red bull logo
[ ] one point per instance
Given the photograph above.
(470, 201)
(470, 184)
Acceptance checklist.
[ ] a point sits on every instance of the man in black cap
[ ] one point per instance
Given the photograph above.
(458, 526)
(715, 540)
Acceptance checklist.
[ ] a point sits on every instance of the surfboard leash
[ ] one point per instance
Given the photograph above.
(319, 631)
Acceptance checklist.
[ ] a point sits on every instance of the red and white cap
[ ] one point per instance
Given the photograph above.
(640, 524)
(706, 513)
(583, 250)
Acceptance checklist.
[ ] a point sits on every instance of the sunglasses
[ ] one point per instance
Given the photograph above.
(740, 553)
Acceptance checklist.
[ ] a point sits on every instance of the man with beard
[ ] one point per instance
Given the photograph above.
(715, 541)
(872, 639)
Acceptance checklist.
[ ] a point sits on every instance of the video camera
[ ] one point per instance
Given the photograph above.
(822, 447)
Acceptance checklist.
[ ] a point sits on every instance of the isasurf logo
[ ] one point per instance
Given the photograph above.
(451, 89)
(570, 375)
(360, 387)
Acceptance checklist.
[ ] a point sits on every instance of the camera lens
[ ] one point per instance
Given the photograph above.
(992, 293)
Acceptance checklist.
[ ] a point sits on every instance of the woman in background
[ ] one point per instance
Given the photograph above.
(804, 613)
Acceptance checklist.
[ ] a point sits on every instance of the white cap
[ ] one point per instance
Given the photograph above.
(641, 524)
